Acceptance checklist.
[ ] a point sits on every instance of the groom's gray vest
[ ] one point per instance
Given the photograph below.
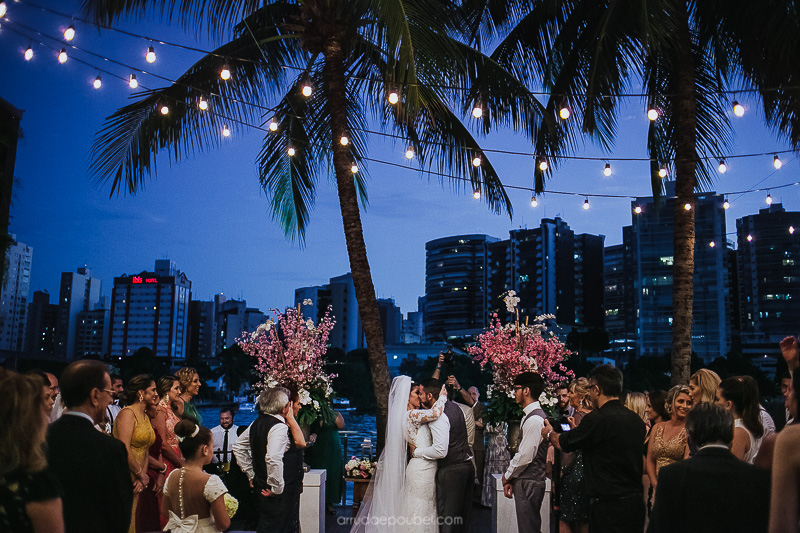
(536, 468)
(458, 449)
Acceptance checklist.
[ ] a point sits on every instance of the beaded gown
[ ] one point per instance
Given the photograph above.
(668, 452)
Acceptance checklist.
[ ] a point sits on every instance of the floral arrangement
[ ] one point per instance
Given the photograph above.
(513, 348)
(231, 504)
(360, 468)
(290, 352)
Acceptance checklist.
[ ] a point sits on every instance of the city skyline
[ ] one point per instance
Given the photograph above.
(209, 215)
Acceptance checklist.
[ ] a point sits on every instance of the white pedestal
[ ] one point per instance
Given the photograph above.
(312, 502)
(504, 514)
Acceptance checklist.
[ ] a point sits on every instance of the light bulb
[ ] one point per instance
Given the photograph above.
(476, 161)
(687, 206)
(202, 104)
(791, 230)
(723, 168)
(393, 97)
(712, 244)
(69, 33)
(290, 151)
(586, 204)
(769, 199)
(776, 162)
(225, 73)
(354, 168)
(726, 204)
(652, 114)
(637, 210)
(97, 83)
(543, 164)
(132, 81)
(564, 113)
(164, 110)
(477, 111)
(534, 202)
(307, 90)
(3, 9)
(607, 170)
(410, 153)
(749, 238)
(344, 141)
(477, 195)
(738, 109)
(662, 172)
(62, 56)
(273, 126)
(28, 53)
(225, 131)
(150, 56)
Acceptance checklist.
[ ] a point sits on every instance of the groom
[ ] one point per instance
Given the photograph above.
(456, 474)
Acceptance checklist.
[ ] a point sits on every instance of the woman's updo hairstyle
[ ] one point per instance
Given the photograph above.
(164, 384)
(138, 384)
(185, 377)
(191, 437)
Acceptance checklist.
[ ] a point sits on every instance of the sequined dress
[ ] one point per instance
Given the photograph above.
(668, 452)
(574, 501)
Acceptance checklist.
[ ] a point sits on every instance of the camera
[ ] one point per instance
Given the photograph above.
(560, 424)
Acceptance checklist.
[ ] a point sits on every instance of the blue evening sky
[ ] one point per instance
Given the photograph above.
(209, 214)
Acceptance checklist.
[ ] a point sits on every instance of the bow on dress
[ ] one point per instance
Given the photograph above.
(177, 525)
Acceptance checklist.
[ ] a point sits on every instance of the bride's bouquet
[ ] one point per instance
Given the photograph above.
(290, 352)
(517, 347)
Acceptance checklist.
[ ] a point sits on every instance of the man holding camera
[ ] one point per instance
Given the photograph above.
(525, 478)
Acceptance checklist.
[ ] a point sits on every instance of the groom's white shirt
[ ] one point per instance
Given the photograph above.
(531, 439)
(440, 432)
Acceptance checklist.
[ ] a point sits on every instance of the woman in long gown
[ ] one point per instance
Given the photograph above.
(574, 501)
(326, 453)
(133, 429)
(189, 381)
(147, 510)
(668, 443)
(164, 423)
(194, 500)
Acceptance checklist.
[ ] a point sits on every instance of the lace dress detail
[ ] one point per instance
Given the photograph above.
(417, 417)
(420, 495)
(171, 420)
(670, 451)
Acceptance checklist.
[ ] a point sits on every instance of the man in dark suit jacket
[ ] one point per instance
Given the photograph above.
(91, 467)
(712, 491)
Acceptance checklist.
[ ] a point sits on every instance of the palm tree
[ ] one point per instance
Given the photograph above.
(353, 53)
(687, 55)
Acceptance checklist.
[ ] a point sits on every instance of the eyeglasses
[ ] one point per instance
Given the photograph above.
(518, 387)
(111, 392)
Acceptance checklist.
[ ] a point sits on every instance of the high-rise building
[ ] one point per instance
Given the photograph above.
(340, 295)
(91, 338)
(653, 252)
(10, 118)
(620, 298)
(202, 329)
(769, 279)
(151, 309)
(234, 319)
(41, 329)
(455, 286)
(78, 292)
(391, 321)
(14, 296)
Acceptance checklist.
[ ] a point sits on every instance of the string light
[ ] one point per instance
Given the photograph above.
(791, 230)
(354, 168)
(543, 164)
(726, 204)
(637, 210)
(410, 153)
(69, 33)
(607, 170)
(652, 114)
(534, 202)
(273, 126)
(202, 104)
(723, 168)
(290, 151)
(769, 199)
(749, 238)
(62, 56)
(225, 73)
(687, 206)
(164, 110)
(476, 161)
(344, 141)
(133, 82)
(307, 90)
(586, 204)
(225, 131)
(564, 112)
(662, 172)
(97, 83)
(28, 54)
(738, 109)
(394, 97)
(477, 111)
(712, 244)
(3, 9)
(150, 56)
(776, 162)
(476, 194)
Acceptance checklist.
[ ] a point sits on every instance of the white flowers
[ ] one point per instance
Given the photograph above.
(271, 383)
(263, 328)
(545, 399)
(305, 396)
(489, 390)
(511, 300)
(316, 404)
(308, 301)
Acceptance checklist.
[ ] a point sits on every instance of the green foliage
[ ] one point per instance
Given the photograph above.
(235, 368)
(143, 361)
(353, 380)
(501, 408)
(308, 415)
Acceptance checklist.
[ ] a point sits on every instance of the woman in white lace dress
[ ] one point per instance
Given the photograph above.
(193, 500)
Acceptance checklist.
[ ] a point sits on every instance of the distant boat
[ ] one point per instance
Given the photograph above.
(342, 404)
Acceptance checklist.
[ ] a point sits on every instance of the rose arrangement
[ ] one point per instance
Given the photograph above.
(290, 352)
(360, 468)
(511, 349)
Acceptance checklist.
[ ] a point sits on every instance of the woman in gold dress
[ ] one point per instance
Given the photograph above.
(133, 428)
(668, 443)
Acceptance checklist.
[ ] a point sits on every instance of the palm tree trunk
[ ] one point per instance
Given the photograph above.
(333, 71)
(684, 231)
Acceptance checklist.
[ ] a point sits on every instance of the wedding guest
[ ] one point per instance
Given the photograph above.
(273, 461)
(224, 436)
(497, 460)
(637, 402)
(479, 446)
(148, 515)
(55, 393)
(460, 397)
(669, 442)
(29, 497)
(574, 501)
(134, 430)
(166, 418)
(735, 396)
(712, 491)
(703, 386)
(763, 416)
(194, 500)
(784, 514)
(564, 405)
(91, 467)
(611, 439)
(326, 453)
(189, 381)
(49, 388)
(114, 407)
(656, 413)
(525, 476)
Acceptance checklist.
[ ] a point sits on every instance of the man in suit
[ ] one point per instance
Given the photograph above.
(91, 467)
(456, 474)
(713, 490)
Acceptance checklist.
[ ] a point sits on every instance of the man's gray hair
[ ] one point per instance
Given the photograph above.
(272, 401)
(709, 423)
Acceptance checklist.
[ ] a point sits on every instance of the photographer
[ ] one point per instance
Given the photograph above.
(465, 402)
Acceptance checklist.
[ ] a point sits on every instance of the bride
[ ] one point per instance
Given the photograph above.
(402, 497)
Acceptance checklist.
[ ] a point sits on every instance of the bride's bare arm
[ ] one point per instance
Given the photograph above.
(423, 416)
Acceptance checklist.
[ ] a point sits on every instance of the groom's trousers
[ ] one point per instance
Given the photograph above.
(454, 496)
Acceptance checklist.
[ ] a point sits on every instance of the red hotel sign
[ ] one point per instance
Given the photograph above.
(138, 279)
